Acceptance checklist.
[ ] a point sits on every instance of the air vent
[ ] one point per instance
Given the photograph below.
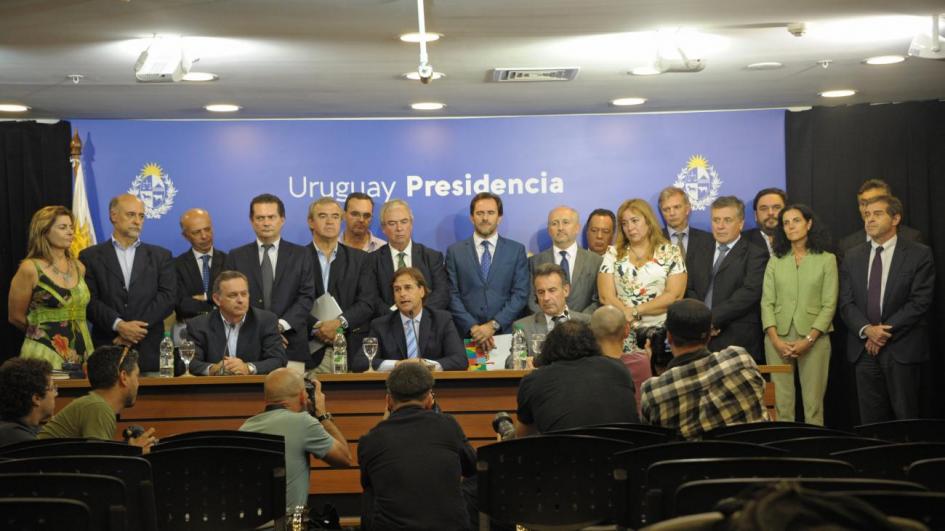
(524, 75)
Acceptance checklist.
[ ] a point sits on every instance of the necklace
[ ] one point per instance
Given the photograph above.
(635, 254)
(66, 275)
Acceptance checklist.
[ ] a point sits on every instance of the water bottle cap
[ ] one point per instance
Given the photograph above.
(167, 334)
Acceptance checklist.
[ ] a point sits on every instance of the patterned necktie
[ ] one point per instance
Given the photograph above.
(205, 272)
(723, 250)
(486, 261)
(412, 351)
(874, 312)
(558, 319)
(400, 260)
(267, 276)
(679, 242)
(566, 265)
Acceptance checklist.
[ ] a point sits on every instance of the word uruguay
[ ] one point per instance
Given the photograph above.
(417, 185)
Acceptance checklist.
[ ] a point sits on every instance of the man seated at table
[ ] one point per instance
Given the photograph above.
(235, 338)
(113, 376)
(701, 390)
(414, 332)
(307, 427)
(27, 398)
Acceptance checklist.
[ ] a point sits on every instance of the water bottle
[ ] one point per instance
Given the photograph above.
(167, 356)
(519, 348)
(339, 355)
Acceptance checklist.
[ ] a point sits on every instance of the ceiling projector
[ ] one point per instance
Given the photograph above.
(928, 45)
(163, 62)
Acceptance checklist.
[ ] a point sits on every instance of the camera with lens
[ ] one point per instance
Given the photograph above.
(660, 355)
(310, 393)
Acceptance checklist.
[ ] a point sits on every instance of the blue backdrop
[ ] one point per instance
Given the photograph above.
(535, 163)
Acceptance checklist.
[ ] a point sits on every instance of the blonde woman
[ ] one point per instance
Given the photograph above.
(48, 294)
(642, 273)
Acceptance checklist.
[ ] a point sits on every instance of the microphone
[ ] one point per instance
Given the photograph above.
(503, 425)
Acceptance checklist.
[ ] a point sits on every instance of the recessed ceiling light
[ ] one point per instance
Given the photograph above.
(417, 37)
(427, 106)
(765, 65)
(222, 107)
(13, 107)
(645, 71)
(415, 76)
(843, 93)
(200, 76)
(884, 60)
(621, 102)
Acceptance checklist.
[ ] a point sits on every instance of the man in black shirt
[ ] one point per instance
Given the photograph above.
(574, 385)
(27, 399)
(412, 462)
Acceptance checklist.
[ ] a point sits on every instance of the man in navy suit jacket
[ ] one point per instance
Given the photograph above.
(397, 224)
(292, 288)
(193, 298)
(415, 331)
(132, 285)
(488, 275)
(886, 292)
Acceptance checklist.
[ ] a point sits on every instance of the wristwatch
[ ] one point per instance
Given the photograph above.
(636, 313)
(323, 418)
(495, 325)
(344, 322)
(809, 339)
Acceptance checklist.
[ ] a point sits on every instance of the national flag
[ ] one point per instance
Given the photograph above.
(84, 232)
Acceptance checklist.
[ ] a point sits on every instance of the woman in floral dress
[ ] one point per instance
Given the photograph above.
(642, 273)
(48, 295)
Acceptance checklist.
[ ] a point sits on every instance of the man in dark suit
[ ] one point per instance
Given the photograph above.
(886, 291)
(869, 190)
(767, 204)
(580, 266)
(729, 279)
(345, 273)
(599, 230)
(132, 284)
(414, 331)
(235, 338)
(280, 274)
(551, 289)
(488, 275)
(402, 251)
(675, 209)
(197, 268)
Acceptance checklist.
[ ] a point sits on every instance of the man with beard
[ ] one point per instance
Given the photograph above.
(768, 204)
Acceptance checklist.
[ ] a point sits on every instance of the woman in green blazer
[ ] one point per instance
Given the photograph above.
(797, 307)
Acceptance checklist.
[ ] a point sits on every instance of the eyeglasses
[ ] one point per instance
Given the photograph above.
(52, 387)
(121, 360)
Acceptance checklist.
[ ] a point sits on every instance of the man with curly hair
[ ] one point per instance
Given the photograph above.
(27, 398)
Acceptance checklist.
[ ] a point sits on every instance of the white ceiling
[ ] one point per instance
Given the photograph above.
(342, 58)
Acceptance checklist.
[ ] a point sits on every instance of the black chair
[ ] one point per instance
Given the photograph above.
(662, 430)
(43, 514)
(889, 461)
(664, 477)
(910, 430)
(35, 443)
(925, 507)
(272, 445)
(929, 472)
(104, 495)
(633, 436)
(823, 446)
(771, 434)
(747, 426)
(630, 469)
(547, 481)
(134, 472)
(703, 495)
(72, 447)
(218, 488)
(222, 433)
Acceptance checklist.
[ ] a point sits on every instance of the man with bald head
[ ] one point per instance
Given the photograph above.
(306, 425)
(132, 284)
(580, 265)
(611, 328)
(197, 268)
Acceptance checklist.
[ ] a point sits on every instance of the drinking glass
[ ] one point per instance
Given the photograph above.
(187, 352)
(538, 340)
(370, 350)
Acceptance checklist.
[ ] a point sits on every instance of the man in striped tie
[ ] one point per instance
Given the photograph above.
(414, 332)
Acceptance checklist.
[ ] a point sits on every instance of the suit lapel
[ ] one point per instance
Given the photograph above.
(893, 279)
(498, 255)
(284, 257)
(386, 267)
(111, 261)
(541, 324)
(396, 329)
(243, 339)
(335, 269)
(426, 332)
(142, 255)
(734, 254)
(473, 259)
(217, 339)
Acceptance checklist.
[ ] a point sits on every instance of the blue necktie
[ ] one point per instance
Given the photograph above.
(723, 250)
(486, 262)
(205, 271)
(566, 265)
(411, 340)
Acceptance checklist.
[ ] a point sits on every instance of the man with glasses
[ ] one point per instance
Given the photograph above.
(401, 251)
(113, 376)
(27, 398)
(359, 209)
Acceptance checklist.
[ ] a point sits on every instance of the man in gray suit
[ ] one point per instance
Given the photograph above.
(580, 266)
(551, 288)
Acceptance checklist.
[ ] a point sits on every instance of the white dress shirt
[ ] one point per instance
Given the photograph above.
(493, 243)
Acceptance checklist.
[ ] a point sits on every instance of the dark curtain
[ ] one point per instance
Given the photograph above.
(34, 172)
(830, 152)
